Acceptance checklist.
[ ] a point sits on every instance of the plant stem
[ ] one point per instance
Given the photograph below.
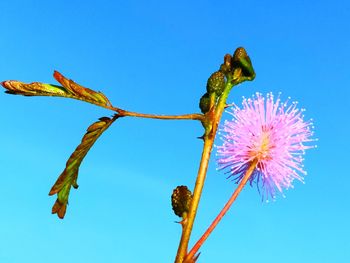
(214, 118)
(227, 206)
(211, 121)
(187, 228)
(194, 116)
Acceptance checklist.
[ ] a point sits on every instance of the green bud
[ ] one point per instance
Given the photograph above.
(204, 103)
(241, 60)
(226, 67)
(216, 83)
(181, 200)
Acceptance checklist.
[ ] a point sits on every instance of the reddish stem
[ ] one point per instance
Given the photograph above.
(227, 206)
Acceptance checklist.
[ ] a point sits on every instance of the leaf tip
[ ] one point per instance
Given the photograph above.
(59, 209)
(10, 86)
(6, 84)
(57, 75)
(53, 190)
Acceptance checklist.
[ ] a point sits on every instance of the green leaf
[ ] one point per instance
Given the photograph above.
(69, 89)
(69, 176)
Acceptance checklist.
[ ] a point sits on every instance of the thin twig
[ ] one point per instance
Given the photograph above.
(194, 116)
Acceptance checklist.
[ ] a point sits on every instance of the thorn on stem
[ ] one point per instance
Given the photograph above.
(201, 137)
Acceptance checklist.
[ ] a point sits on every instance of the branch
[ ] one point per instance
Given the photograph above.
(73, 90)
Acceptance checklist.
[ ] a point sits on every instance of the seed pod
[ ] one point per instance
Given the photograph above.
(181, 200)
(216, 83)
(204, 103)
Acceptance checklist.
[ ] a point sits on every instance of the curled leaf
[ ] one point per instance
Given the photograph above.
(33, 89)
(69, 176)
(69, 89)
(81, 92)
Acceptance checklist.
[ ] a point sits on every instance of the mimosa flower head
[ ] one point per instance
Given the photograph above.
(272, 133)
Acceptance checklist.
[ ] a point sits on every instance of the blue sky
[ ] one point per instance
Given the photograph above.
(155, 57)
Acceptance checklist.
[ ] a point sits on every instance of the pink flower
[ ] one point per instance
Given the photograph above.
(272, 133)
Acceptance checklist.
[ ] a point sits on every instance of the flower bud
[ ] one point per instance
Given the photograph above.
(181, 200)
(241, 60)
(204, 103)
(226, 67)
(216, 83)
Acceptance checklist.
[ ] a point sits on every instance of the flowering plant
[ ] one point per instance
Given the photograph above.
(264, 143)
